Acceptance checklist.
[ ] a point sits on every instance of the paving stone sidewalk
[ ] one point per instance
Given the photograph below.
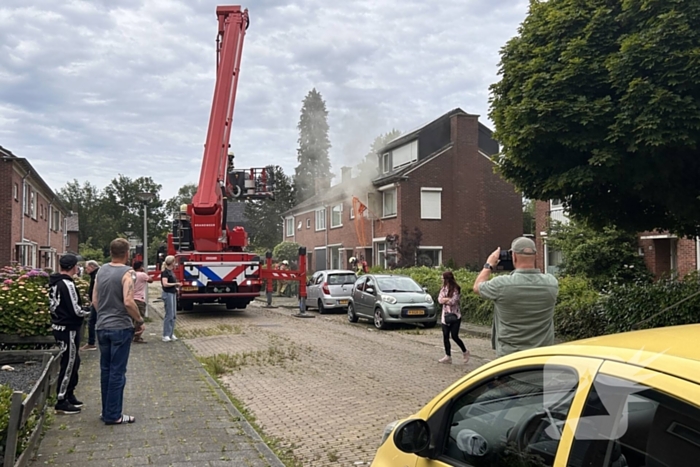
(182, 416)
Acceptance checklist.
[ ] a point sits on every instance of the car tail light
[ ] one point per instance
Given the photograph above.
(325, 289)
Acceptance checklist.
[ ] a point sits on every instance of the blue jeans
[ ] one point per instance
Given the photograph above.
(169, 301)
(114, 354)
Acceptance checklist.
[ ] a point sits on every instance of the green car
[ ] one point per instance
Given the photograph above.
(387, 299)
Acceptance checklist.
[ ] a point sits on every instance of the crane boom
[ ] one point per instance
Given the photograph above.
(206, 210)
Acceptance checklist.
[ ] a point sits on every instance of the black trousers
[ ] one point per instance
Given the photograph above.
(452, 330)
(69, 341)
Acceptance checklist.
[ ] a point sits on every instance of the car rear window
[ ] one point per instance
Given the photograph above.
(340, 279)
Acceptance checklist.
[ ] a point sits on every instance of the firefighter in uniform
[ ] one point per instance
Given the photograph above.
(283, 285)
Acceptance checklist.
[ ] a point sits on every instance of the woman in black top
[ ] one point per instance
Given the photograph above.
(170, 285)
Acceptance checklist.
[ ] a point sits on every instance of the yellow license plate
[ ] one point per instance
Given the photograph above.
(190, 289)
(343, 302)
(416, 312)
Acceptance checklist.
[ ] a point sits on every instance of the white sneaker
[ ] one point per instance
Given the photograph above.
(166, 339)
(173, 337)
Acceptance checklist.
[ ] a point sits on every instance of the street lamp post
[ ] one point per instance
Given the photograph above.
(145, 197)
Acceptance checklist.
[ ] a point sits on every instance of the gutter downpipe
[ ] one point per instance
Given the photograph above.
(697, 253)
(48, 230)
(24, 208)
(325, 214)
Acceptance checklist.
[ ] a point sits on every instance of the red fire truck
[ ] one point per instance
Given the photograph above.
(212, 262)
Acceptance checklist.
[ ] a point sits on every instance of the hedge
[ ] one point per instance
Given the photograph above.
(581, 311)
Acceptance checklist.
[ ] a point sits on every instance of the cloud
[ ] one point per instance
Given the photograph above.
(93, 89)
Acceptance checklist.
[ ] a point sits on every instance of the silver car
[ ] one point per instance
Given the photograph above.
(329, 290)
(388, 298)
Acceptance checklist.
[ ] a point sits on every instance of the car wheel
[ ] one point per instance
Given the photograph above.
(352, 317)
(429, 325)
(379, 322)
(321, 308)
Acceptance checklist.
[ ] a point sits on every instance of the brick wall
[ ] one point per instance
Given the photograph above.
(12, 217)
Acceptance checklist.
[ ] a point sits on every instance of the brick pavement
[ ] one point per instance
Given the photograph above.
(324, 386)
(182, 416)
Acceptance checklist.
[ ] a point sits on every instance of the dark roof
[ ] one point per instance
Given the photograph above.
(433, 138)
(72, 222)
(7, 156)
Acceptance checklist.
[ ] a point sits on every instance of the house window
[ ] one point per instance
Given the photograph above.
(557, 204)
(321, 219)
(352, 212)
(26, 254)
(552, 259)
(25, 199)
(405, 154)
(431, 203)
(15, 192)
(308, 222)
(56, 218)
(389, 202)
(337, 215)
(299, 226)
(429, 256)
(386, 163)
(32, 204)
(384, 257)
(290, 227)
(41, 211)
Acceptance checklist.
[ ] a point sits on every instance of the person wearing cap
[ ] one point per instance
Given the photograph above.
(523, 300)
(67, 316)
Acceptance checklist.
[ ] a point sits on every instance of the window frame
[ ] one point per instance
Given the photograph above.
(15, 192)
(320, 216)
(394, 192)
(308, 222)
(386, 162)
(337, 209)
(424, 214)
(289, 226)
(439, 249)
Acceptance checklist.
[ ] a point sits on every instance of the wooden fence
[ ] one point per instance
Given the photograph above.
(22, 407)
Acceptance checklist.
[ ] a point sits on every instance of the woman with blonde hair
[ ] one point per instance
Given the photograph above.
(170, 284)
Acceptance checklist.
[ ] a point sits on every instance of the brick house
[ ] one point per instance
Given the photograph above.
(663, 253)
(33, 229)
(438, 179)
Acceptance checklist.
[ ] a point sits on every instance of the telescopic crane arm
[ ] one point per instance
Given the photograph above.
(209, 232)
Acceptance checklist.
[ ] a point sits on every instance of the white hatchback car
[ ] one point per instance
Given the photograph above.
(331, 289)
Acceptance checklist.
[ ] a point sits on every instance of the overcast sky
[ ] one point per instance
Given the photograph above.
(93, 89)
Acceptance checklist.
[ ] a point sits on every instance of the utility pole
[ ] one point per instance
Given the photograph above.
(145, 197)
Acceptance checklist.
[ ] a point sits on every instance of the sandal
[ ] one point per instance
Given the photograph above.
(123, 420)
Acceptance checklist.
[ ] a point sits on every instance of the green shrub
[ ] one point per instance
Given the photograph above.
(24, 301)
(26, 431)
(576, 315)
(286, 251)
(627, 305)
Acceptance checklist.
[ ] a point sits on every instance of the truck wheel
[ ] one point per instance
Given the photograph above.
(231, 305)
(187, 305)
(178, 305)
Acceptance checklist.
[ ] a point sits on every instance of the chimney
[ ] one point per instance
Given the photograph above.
(345, 174)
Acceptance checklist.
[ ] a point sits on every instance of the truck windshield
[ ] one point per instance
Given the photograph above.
(341, 279)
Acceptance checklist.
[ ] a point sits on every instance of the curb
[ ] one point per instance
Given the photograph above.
(259, 443)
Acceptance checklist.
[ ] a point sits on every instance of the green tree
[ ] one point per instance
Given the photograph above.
(265, 215)
(286, 251)
(599, 105)
(605, 256)
(86, 201)
(89, 251)
(184, 196)
(368, 168)
(124, 209)
(314, 145)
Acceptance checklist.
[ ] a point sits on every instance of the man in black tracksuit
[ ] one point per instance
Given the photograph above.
(66, 319)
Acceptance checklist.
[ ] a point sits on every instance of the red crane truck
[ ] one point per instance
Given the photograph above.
(211, 261)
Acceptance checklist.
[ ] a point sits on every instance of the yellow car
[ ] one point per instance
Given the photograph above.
(624, 400)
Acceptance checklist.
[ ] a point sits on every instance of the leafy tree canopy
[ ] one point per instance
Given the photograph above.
(184, 196)
(599, 105)
(314, 145)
